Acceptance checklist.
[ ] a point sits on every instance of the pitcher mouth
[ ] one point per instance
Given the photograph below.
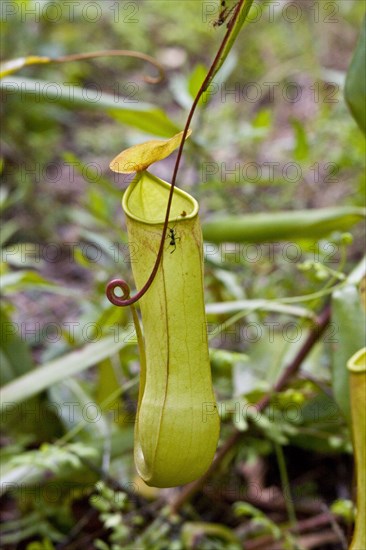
(147, 204)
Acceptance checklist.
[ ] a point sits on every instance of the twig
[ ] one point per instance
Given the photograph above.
(312, 540)
(308, 542)
(115, 53)
(190, 490)
(309, 524)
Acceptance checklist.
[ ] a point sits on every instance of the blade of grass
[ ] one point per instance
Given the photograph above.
(258, 305)
(59, 369)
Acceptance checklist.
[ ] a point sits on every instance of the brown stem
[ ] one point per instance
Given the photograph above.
(320, 325)
(115, 53)
(309, 524)
(190, 490)
(303, 526)
(308, 542)
(212, 71)
(311, 540)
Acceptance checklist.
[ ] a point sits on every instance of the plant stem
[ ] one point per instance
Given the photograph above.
(285, 484)
(114, 53)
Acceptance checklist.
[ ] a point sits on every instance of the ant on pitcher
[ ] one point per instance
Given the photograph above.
(173, 239)
(225, 12)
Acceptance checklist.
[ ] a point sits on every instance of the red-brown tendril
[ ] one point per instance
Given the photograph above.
(116, 300)
(120, 283)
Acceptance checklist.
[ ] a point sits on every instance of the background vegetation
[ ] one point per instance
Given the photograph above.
(69, 358)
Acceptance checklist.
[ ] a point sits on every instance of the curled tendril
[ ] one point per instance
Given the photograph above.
(111, 295)
(125, 300)
(116, 53)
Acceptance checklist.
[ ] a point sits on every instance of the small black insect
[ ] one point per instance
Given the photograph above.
(173, 239)
(225, 12)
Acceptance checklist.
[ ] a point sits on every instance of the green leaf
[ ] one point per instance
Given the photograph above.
(276, 226)
(245, 509)
(355, 90)
(244, 10)
(108, 381)
(45, 544)
(19, 281)
(258, 305)
(195, 81)
(8, 229)
(72, 391)
(60, 369)
(33, 470)
(193, 531)
(144, 116)
(344, 508)
(148, 119)
(349, 321)
(15, 354)
(301, 150)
